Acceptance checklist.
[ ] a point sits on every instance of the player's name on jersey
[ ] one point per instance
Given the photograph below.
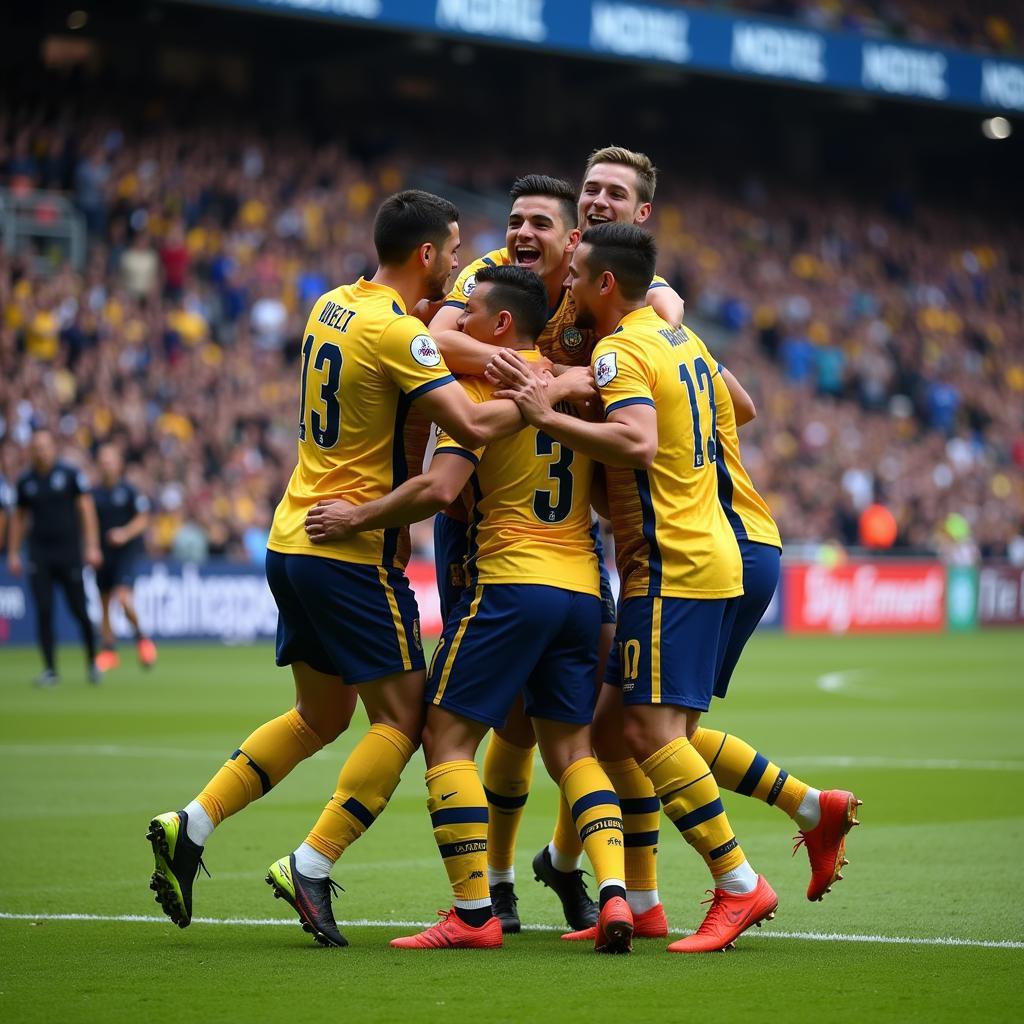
(335, 315)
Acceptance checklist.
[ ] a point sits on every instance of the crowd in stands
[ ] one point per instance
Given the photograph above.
(996, 26)
(884, 348)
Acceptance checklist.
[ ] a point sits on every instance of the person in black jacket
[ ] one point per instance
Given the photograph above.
(56, 514)
(123, 516)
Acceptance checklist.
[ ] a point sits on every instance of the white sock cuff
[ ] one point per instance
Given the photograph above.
(473, 904)
(561, 861)
(312, 863)
(495, 876)
(200, 826)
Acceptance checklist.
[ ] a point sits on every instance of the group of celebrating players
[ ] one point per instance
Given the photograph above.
(578, 389)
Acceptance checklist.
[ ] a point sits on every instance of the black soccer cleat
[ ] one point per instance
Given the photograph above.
(579, 909)
(503, 905)
(178, 861)
(310, 898)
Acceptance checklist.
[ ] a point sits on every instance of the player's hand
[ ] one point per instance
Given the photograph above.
(14, 565)
(330, 520)
(575, 384)
(115, 536)
(425, 310)
(93, 558)
(508, 369)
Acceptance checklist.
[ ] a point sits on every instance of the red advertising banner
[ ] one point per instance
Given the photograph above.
(1000, 596)
(865, 597)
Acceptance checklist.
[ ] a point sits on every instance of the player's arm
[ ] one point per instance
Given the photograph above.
(90, 529)
(742, 403)
(418, 498)
(16, 537)
(667, 303)
(462, 354)
(135, 527)
(627, 438)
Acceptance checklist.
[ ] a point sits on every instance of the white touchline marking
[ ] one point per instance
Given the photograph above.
(259, 922)
(807, 761)
(833, 682)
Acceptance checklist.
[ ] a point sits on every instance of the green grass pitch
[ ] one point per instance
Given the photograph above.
(928, 731)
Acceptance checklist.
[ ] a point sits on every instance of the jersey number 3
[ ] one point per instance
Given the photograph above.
(325, 427)
(560, 471)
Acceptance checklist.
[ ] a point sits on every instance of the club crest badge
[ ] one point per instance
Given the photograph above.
(572, 339)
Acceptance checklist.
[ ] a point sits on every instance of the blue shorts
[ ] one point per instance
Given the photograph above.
(607, 598)
(503, 639)
(117, 570)
(359, 622)
(450, 549)
(760, 578)
(669, 649)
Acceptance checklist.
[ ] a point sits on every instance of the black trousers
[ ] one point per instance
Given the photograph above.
(44, 574)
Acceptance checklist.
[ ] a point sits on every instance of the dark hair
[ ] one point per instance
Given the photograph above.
(627, 251)
(521, 292)
(556, 188)
(406, 220)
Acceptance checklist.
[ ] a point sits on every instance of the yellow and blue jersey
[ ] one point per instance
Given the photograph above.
(672, 536)
(531, 515)
(746, 510)
(364, 361)
(561, 341)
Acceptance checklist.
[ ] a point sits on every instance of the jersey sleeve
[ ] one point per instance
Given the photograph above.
(140, 503)
(658, 282)
(466, 282)
(622, 377)
(80, 483)
(21, 498)
(448, 445)
(411, 358)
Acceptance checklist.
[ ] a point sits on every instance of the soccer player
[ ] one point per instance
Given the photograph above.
(532, 609)
(348, 622)
(123, 516)
(619, 186)
(823, 818)
(678, 558)
(55, 512)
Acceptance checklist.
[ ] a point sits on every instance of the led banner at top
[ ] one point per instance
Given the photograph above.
(701, 40)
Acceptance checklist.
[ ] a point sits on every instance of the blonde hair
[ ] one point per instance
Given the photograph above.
(646, 172)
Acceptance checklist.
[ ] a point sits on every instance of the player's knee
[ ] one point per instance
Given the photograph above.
(328, 721)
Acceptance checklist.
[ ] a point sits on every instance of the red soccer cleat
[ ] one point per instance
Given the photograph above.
(146, 650)
(651, 924)
(451, 932)
(826, 842)
(614, 931)
(107, 660)
(731, 914)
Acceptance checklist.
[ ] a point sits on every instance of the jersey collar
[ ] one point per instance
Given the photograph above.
(383, 289)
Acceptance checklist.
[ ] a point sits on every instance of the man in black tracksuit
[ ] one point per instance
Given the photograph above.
(55, 512)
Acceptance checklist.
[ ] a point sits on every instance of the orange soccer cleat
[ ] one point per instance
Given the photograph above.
(651, 924)
(451, 932)
(730, 915)
(614, 931)
(826, 842)
(107, 660)
(146, 651)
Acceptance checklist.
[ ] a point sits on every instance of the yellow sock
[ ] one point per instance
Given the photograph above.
(689, 794)
(367, 780)
(641, 816)
(458, 813)
(595, 809)
(258, 765)
(508, 772)
(737, 766)
(566, 837)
